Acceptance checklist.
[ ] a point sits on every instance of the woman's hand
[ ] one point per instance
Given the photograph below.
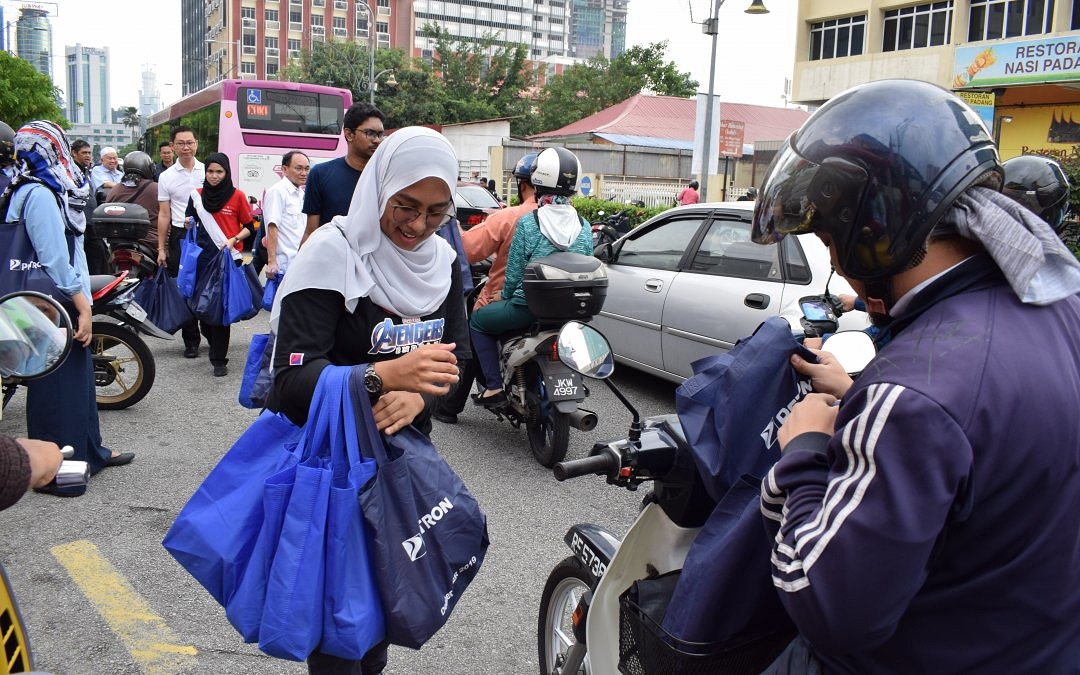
(430, 369)
(84, 329)
(45, 460)
(815, 413)
(396, 409)
(827, 375)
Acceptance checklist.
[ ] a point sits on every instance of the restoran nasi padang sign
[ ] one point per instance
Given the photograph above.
(1021, 62)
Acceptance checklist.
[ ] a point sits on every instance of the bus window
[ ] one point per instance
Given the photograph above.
(289, 111)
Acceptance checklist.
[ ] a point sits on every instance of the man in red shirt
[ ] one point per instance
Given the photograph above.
(689, 195)
(490, 238)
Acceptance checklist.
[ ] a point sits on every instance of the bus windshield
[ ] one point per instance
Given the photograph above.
(289, 111)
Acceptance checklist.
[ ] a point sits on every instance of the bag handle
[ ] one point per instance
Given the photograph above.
(363, 416)
(321, 414)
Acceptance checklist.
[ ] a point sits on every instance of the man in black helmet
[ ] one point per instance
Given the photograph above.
(927, 516)
(1040, 184)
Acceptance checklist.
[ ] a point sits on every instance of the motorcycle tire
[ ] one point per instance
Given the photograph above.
(565, 585)
(124, 368)
(547, 428)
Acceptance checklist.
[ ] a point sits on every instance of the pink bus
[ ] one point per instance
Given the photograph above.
(255, 122)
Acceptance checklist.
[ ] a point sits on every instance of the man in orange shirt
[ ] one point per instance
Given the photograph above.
(490, 238)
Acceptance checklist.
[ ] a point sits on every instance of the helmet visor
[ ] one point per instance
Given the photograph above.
(783, 205)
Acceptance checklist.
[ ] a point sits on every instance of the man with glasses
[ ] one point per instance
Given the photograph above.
(330, 185)
(283, 217)
(174, 189)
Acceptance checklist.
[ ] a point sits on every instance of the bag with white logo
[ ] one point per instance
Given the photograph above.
(21, 270)
(429, 536)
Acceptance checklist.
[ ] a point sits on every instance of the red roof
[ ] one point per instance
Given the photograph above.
(671, 117)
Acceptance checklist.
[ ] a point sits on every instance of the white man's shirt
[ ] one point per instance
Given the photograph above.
(101, 173)
(175, 184)
(283, 206)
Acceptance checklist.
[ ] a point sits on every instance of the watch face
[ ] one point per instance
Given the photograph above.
(372, 381)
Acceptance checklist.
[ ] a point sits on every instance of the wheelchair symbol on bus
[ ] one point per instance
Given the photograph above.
(254, 96)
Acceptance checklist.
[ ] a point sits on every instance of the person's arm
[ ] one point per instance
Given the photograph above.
(455, 331)
(15, 471)
(516, 259)
(312, 203)
(482, 241)
(272, 210)
(46, 229)
(164, 222)
(858, 513)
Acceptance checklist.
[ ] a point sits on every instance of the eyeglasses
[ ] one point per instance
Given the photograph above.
(407, 214)
(372, 134)
(184, 144)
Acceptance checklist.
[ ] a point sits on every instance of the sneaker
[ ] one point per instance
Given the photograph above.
(445, 417)
(221, 371)
(191, 352)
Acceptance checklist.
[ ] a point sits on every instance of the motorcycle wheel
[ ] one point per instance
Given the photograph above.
(555, 630)
(123, 366)
(547, 428)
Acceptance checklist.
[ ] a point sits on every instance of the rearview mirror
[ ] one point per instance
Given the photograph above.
(604, 252)
(35, 335)
(585, 350)
(853, 349)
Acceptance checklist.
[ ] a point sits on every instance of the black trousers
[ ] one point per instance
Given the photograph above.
(172, 249)
(217, 337)
(373, 663)
(454, 402)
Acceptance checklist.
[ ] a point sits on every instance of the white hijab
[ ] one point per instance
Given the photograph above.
(352, 256)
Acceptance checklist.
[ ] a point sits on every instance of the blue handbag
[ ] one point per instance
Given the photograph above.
(319, 588)
(429, 536)
(270, 290)
(241, 296)
(22, 271)
(165, 306)
(189, 263)
(256, 382)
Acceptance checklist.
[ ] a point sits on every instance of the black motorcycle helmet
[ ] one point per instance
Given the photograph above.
(875, 168)
(556, 172)
(7, 144)
(139, 163)
(1039, 184)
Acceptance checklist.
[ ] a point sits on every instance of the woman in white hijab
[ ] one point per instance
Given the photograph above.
(374, 287)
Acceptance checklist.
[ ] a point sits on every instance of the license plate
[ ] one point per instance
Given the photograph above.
(135, 312)
(564, 387)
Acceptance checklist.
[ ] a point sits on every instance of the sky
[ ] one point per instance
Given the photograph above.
(754, 52)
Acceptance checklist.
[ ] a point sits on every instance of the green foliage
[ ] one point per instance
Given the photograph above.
(589, 208)
(1071, 234)
(585, 89)
(26, 94)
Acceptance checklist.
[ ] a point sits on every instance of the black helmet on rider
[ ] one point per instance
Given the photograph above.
(874, 169)
(139, 163)
(1039, 184)
(7, 144)
(556, 172)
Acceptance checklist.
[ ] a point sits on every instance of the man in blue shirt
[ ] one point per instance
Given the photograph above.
(330, 185)
(106, 175)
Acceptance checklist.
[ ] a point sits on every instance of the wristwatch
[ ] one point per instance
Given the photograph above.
(372, 382)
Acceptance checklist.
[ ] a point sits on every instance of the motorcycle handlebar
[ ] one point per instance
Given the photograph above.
(606, 463)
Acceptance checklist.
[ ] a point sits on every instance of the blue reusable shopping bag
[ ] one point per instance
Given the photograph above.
(429, 536)
(241, 302)
(208, 302)
(270, 290)
(256, 382)
(730, 410)
(165, 306)
(189, 263)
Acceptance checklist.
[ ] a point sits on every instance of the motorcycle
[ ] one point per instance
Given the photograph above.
(124, 227)
(124, 366)
(587, 621)
(544, 395)
(609, 229)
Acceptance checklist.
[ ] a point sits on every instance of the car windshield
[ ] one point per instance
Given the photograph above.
(476, 197)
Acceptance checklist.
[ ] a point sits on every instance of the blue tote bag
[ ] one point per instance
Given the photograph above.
(208, 303)
(270, 290)
(189, 263)
(256, 381)
(241, 297)
(165, 306)
(429, 536)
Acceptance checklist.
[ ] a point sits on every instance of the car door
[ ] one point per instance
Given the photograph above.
(726, 288)
(639, 277)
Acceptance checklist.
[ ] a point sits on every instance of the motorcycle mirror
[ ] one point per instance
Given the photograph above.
(600, 213)
(35, 335)
(852, 348)
(585, 350)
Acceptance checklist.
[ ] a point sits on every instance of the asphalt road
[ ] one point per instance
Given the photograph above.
(96, 588)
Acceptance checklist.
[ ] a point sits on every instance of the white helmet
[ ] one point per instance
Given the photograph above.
(556, 173)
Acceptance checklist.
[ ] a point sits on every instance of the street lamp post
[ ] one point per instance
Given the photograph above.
(371, 51)
(710, 27)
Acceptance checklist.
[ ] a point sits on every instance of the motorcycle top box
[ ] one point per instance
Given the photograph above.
(565, 286)
(117, 220)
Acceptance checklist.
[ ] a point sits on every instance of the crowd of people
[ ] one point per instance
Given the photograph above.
(924, 514)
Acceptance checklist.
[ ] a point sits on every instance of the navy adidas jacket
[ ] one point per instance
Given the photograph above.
(938, 529)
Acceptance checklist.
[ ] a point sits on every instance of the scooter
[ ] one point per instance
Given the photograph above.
(610, 228)
(124, 367)
(587, 622)
(544, 395)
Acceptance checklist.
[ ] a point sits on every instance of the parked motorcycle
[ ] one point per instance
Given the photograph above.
(124, 367)
(587, 622)
(124, 228)
(610, 228)
(544, 395)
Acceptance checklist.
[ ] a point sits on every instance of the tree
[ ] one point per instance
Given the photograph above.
(26, 94)
(129, 117)
(587, 88)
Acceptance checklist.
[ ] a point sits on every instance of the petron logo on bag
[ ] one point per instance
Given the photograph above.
(414, 545)
(16, 265)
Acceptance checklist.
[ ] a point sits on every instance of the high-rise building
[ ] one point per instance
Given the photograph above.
(87, 94)
(33, 39)
(256, 38)
(149, 96)
(597, 28)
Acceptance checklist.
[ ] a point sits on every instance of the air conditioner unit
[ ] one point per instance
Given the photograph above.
(294, 53)
(383, 11)
(273, 25)
(271, 52)
(298, 27)
(250, 50)
(340, 4)
(318, 30)
(361, 33)
(247, 22)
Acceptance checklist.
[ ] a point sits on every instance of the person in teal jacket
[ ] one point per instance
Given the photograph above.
(553, 227)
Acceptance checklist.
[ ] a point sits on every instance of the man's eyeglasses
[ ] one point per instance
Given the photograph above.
(407, 214)
(184, 144)
(372, 134)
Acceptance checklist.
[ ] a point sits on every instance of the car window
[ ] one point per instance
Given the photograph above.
(795, 263)
(726, 250)
(476, 196)
(660, 247)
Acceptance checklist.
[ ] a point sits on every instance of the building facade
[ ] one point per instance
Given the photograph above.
(101, 135)
(149, 96)
(1016, 61)
(87, 95)
(33, 39)
(256, 38)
